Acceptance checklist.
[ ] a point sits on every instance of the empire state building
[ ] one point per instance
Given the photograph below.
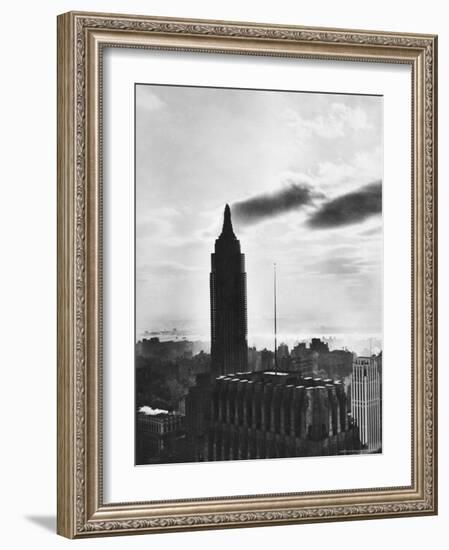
(229, 347)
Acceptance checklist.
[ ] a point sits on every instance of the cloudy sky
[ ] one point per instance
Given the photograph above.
(302, 173)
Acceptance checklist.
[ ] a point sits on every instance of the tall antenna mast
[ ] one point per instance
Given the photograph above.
(275, 323)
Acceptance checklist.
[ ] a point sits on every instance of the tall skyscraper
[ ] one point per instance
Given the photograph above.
(229, 347)
(366, 401)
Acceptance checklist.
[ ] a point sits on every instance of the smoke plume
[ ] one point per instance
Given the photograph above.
(260, 207)
(350, 208)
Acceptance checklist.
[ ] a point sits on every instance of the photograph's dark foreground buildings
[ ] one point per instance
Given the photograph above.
(229, 347)
(268, 415)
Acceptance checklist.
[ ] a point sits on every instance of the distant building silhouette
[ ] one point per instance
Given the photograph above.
(283, 351)
(304, 360)
(254, 359)
(266, 359)
(318, 345)
(170, 349)
(229, 348)
(283, 358)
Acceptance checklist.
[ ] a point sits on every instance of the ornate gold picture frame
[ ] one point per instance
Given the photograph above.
(82, 41)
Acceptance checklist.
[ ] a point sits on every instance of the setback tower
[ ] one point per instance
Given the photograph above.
(229, 346)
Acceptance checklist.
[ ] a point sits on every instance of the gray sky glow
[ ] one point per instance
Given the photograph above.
(302, 173)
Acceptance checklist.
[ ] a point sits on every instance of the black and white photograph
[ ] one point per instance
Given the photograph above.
(258, 274)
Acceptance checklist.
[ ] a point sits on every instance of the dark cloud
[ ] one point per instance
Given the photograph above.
(290, 197)
(348, 209)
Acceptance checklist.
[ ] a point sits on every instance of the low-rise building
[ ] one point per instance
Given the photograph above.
(160, 437)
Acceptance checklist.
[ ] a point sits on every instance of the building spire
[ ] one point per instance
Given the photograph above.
(227, 230)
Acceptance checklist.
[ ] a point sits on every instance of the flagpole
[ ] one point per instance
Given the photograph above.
(275, 323)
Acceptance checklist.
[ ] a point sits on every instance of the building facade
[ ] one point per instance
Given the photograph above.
(336, 363)
(160, 438)
(268, 415)
(229, 347)
(366, 402)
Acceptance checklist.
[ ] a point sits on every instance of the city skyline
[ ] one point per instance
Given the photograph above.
(320, 220)
(312, 402)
